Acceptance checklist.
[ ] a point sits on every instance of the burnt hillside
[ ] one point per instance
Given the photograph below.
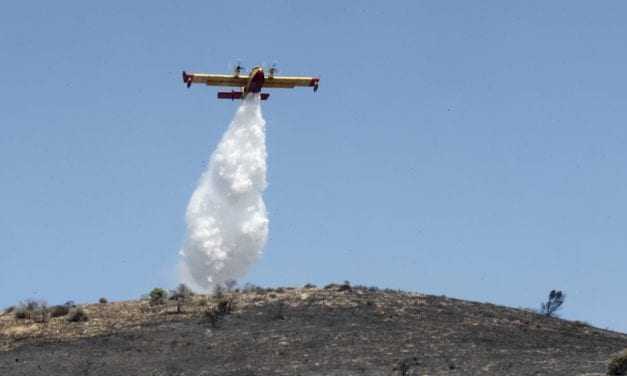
(335, 331)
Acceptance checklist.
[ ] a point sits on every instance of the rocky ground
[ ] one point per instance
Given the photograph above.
(309, 331)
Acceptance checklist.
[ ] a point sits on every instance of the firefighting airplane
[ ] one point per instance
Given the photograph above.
(251, 83)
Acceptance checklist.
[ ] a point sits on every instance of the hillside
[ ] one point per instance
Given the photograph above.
(308, 331)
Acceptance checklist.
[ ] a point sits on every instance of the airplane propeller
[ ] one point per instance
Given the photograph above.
(237, 68)
(273, 69)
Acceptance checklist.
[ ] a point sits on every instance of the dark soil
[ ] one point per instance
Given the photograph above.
(312, 332)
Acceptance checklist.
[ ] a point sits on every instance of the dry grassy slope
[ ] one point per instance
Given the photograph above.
(308, 332)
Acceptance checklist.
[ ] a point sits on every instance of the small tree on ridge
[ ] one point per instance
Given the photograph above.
(554, 302)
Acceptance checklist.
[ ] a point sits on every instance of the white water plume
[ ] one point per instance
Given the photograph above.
(227, 224)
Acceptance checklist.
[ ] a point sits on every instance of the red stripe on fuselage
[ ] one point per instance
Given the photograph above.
(255, 83)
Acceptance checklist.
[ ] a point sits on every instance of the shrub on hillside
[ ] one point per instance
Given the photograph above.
(223, 308)
(618, 364)
(392, 291)
(59, 310)
(44, 315)
(250, 288)
(21, 314)
(581, 324)
(31, 309)
(218, 292)
(181, 294)
(346, 286)
(103, 300)
(158, 296)
(78, 315)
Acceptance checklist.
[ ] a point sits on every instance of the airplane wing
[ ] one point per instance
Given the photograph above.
(215, 79)
(290, 82)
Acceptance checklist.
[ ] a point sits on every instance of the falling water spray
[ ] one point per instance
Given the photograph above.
(227, 224)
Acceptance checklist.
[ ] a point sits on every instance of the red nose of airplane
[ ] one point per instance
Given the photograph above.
(257, 81)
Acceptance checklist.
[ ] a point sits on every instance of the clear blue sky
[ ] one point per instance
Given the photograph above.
(476, 150)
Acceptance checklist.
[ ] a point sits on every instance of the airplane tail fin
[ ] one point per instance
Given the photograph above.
(232, 95)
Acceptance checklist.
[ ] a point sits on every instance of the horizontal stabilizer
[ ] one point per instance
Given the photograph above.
(230, 95)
